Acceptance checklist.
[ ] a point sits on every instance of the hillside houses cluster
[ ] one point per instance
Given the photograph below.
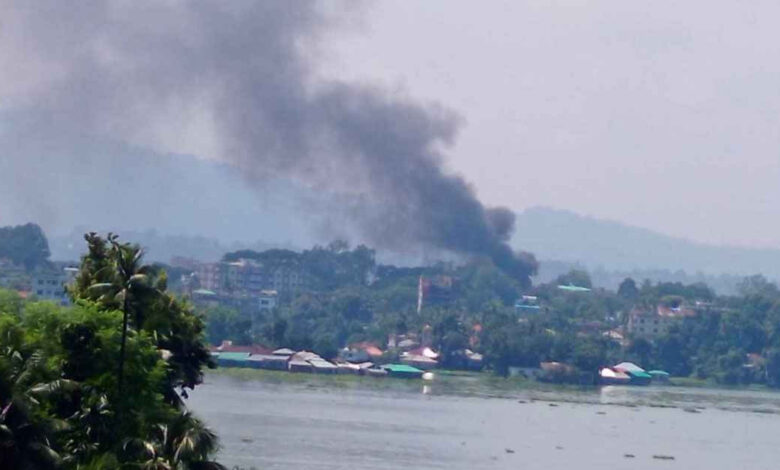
(640, 322)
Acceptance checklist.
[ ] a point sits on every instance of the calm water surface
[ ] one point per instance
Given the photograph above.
(312, 424)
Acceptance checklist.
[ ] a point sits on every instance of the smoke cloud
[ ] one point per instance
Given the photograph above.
(237, 81)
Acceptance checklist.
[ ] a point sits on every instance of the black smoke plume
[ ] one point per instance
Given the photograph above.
(241, 75)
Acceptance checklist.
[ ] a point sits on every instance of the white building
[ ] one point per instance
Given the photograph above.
(50, 285)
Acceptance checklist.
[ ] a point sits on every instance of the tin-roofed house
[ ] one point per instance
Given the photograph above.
(422, 358)
(306, 361)
(638, 375)
(267, 361)
(610, 376)
(361, 352)
(321, 366)
(299, 362)
(283, 352)
(352, 368)
(403, 370)
(233, 359)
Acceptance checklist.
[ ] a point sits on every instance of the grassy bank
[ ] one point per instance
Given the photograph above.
(445, 382)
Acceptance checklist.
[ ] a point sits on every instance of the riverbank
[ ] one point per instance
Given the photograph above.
(444, 382)
(687, 395)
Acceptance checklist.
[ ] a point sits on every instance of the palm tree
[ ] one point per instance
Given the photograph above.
(24, 435)
(130, 290)
(112, 275)
(184, 443)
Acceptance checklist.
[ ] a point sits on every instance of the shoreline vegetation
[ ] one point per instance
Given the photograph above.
(472, 383)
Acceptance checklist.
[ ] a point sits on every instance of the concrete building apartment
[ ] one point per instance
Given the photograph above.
(651, 324)
(248, 277)
(50, 284)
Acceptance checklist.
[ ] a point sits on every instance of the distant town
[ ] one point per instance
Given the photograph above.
(333, 308)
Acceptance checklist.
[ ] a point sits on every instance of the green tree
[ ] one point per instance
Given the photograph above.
(61, 402)
(225, 323)
(128, 287)
(24, 245)
(112, 275)
(24, 434)
(641, 351)
(773, 367)
(576, 277)
(589, 354)
(628, 289)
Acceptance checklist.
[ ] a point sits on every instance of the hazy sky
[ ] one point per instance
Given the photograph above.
(660, 114)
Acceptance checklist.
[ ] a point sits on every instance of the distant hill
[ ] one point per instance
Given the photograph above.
(211, 209)
(110, 186)
(605, 245)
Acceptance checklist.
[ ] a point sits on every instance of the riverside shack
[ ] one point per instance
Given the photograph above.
(233, 359)
(403, 370)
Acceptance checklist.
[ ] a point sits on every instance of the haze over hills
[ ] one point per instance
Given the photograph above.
(178, 205)
(553, 234)
(108, 186)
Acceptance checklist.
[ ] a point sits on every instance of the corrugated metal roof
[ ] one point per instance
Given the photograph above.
(658, 372)
(233, 356)
(204, 292)
(284, 352)
(322, 364)
(638, 374)
(401, 368)
(629, 367)
(419, 359)
(608, 373)
(252, 349)
(267, 357)
(573, 288)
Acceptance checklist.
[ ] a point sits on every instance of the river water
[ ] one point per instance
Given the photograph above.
(321, 424)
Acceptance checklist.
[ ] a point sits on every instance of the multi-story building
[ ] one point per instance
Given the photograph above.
(209, 276)
(50, 284)
(288, 279)
(650, 324)
(248, 277)
(268, 299)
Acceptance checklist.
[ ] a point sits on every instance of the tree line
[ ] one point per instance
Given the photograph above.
(733, 339)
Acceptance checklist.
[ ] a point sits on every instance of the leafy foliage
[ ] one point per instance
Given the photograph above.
(25, 245)
(62, 396)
